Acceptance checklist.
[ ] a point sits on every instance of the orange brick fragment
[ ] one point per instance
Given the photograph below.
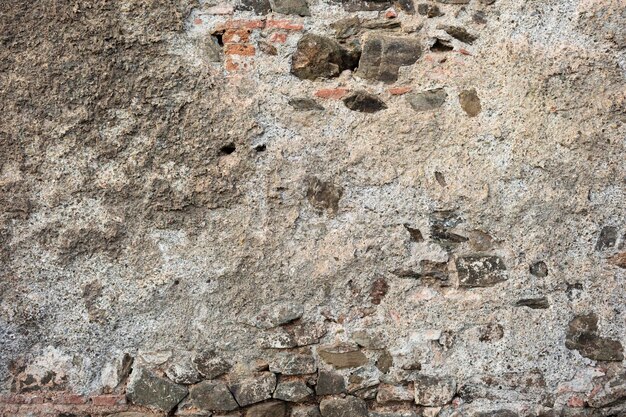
(331, 93)
(243, 49)
(278, 37)
(284, 24)
(236, 36)
(398, 91)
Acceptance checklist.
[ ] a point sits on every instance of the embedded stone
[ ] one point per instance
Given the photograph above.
(292, 391)
(459, 33)
(254, 389)
(323, 195)
(319, 57)
(364, 102)
(480, 271)
(392, 393)
(470, 103)
(259, 7)
(612, 391)
(268, 409)
(382, 56)
(491, 332)
(343, 407)
(210, 365)
(368, 339)
(453, 1)
(308, 333)
(539, 269)
(366, 5)
(329, 383)
(345, 28)
(147, 389)
(297, 7)
(429, 10)
(213, 396)
(293, 364)
(342, 356)
(305, 411)
(427, 100)
(433, 390)
(582, 335)
(619, 260)
(607, 238)
(277, 313)
(363, 377)
(384, 362)
(534, 303)
(305, 104)
(277, 339)
(406, 6)
(183, 371)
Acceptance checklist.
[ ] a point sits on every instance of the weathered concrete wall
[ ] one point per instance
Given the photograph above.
(294, 207)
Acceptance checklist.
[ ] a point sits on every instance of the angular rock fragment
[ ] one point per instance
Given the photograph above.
(323, 195)
(607, 238)
(147, 389)
(254, 389)
(619, 260)
(491, 332)
(433, 390)
(346, 28)
(539, 269)
(497, 413)
(378, 291)
(212, 396)
(406, 6)
(329, 382)
(268, 409)
(305, 104)
(380, 24)
(293, 364)
(427, 100)
(369, 339)
(342, 356)
(434, 270)
(366, 5)
(429, 10)
(277, 313)
(364, 102)
(393, 393)
(459, 33)
(210, 365)
(277, 339)
(534, 303)
(480, 271)
(320, 57)
(382, 56)
(582, 335)
(292, 391)
(363, 377)
(384, 362)
(441, 224)
(470, 103)
(297, 7)
(183, 371)
(260, 7)
(307, 333)
(414, 233)
(305, 411)
(268, 48)
(343, 407)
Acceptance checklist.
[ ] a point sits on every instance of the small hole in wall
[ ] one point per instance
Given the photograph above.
(218, 37)
(441, 46)
(260, 148)
(228, 149)
(176, 282)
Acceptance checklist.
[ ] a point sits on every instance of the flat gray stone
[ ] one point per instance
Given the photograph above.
(433, 390)
(147, 389)
(213, 396)
(292, 391)
(427, 100)
(254, 389)
(293, 364)
(343, 407)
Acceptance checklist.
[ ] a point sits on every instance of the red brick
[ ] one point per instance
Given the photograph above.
(278, 37)
(242, 24)
(74, 399)
(284, 24)
(197, 21)
(108, 400)
(398, 91)
(236, 36)
(239, 49)
(465, 52)
(230, 65)
(331, 93)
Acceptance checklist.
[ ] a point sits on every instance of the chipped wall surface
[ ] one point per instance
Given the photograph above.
(275, 208)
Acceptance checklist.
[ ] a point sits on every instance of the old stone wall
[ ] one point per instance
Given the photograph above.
(312, 208)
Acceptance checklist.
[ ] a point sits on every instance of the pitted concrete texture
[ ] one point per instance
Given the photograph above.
(393, 208)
